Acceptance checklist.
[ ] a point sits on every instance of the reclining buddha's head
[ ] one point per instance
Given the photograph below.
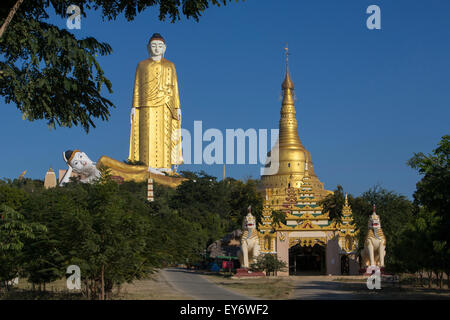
(79, 162)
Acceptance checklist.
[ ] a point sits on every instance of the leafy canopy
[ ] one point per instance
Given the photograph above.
(432, 189)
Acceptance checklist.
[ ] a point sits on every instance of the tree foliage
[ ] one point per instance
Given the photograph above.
(50, 74)
(269, 263)
(433, 189)
(112, 232)
(15, 230)
(395, 212)
(334, 203)
(419, 249)
(432, 221)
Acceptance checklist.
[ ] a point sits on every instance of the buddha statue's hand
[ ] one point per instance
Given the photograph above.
(133, 112)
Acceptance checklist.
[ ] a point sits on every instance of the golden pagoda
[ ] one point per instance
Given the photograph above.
(293, 158)
(309, 241)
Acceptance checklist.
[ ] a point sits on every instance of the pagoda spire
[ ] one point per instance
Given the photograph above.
(288, 122)
(287, 86)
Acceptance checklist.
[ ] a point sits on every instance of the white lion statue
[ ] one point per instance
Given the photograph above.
(249, 241)
(375, 243)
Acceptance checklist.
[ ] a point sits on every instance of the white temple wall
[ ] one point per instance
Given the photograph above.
(333, 261)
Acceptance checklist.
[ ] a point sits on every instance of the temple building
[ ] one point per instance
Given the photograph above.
(309, 242)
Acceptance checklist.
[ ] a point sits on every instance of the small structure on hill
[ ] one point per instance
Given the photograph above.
(50, 179)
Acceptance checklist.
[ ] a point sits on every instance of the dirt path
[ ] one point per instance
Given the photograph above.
(193, 284)
(322, 288)
(155, 288)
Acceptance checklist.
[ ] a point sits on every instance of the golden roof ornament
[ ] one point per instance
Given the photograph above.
(347, 211)
(287, 83)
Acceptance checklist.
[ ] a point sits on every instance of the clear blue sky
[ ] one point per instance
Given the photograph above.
(367, 100)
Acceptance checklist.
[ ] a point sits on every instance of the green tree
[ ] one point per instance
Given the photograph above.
(395, 212)
(419, 251)
(432, 189)
(47, 254)
(278, 216)
(14, 232)
(27, 185)
(243, 195)
(334, 203)
(108, 239)
(268, 263)
(432, 195)
(50, 74)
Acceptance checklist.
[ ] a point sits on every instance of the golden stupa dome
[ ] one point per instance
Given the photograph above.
(293, 158)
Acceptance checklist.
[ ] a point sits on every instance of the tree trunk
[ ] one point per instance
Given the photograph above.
(86, 285)
(430, 278)
(119, 287)
(103, 282)
(93, 288)
(11, 14)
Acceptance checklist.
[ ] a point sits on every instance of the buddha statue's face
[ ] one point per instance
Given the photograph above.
(81, 163)
(156, 49)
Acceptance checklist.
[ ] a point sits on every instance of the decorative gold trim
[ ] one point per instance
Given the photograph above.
(307, 241)
(308, 226)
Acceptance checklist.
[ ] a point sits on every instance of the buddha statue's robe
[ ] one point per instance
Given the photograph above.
(155, 137)
(137, 173)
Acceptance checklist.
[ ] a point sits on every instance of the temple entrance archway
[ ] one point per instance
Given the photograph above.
(306, 259)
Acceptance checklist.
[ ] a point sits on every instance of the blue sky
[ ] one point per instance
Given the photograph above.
(367, 99)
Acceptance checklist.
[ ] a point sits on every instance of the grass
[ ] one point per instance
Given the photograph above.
(153, 288)
(56, 290)
(274, 288)
(21, 294)
(406, 288)
(404, 293)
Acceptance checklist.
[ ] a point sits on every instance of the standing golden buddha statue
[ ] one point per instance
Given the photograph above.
(155, 137)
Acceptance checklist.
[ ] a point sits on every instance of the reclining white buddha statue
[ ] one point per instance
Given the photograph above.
(78, 162)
